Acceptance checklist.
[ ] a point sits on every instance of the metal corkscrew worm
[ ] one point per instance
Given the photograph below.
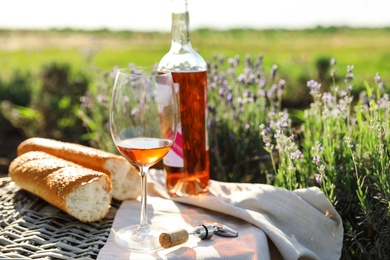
(203, 232)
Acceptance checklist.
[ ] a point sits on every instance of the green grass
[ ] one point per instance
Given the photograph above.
(294, 51)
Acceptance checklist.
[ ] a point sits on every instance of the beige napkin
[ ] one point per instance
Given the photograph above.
(273, 223)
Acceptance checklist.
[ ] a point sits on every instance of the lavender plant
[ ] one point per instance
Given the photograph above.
(355, 156)
(94, 111)
(345, 148)
(240, 97)
(340, 144)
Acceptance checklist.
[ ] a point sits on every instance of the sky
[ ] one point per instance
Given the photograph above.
(154, 15)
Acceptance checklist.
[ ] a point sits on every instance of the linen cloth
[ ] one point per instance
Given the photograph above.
(273, 223)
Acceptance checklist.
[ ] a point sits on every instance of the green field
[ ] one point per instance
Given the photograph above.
(296, 52)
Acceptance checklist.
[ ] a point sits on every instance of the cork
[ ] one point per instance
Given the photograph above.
(174, 238)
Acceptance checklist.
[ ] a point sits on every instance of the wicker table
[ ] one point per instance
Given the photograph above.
(33, 229)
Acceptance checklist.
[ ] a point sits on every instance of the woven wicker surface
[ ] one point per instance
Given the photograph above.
(30, 228)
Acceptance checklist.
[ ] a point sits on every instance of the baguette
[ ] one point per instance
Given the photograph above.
(82, 193)
(124, 177)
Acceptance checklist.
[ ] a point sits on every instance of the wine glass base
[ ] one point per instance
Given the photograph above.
(130, 238)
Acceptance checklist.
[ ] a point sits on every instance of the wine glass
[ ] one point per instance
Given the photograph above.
(143, 123)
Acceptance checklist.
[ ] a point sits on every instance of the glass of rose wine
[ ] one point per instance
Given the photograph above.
(143, 123)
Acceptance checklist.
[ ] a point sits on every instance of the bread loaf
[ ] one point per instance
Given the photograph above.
(124, 177)
(82, 193)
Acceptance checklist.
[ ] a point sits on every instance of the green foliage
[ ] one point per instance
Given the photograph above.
(51, 112)
(94, 112)
(295, 51)
(345, 148)
(322, 65)
(238, 103)
(17, 90)
(59, 99)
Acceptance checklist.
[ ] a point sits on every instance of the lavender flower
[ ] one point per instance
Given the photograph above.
(297, 154)
(222, 59)
(317, 159)
(349, 76)
(273, 71)
(270, 178)
(241, 78)
(102, 98)
(262, 83)
(314, 87)
(229, 98)
(384, 102)
(86, 101)
(317, 152)
(113, 72)
(379, 81)
(248, 62)
(282, 84)
(266, 134)
(319, 177)
(134, 111)
(221, 92)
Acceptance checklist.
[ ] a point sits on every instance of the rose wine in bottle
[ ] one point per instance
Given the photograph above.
(187, 163)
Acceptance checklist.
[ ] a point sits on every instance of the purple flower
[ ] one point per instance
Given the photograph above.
(241, 78)
(327, 98)
(262, 93)
(247, 93)
(102, 98)
(86, 100)
(379, 81)
(349, 76)
(317, 159)
(134, 111)
(297, 154)
(233, 62)
(240, 101)
(251, 79)
(377, 78)
(282, 83)
(222, 59)
(235, 116)
(273, 71)
(221, 91)
(248, 60)
(229, 98)
(270, 177)
(113, 72)
(271, 91)
(314, 87)
(262, 83)
(319, 177)
(384, 102)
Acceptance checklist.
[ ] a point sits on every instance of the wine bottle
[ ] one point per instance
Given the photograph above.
(187, 164)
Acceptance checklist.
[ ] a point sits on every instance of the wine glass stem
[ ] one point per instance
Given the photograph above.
(144, 226)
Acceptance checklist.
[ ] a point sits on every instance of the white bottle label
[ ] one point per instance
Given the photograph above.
(174, 158)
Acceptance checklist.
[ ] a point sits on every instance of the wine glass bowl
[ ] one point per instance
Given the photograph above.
(143, 124)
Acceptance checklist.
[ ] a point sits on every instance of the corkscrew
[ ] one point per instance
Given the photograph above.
(203, 232)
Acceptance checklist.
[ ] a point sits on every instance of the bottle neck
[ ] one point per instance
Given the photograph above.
(180, 23)
(181, 56)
